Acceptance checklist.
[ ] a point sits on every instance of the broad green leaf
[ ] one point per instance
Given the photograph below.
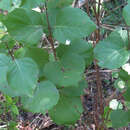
(24, 25)
(22, 76)
(20, 53)
(126, 13)
(61, 50)
(128, 112)
(67, 111)
(29, 4)
(67, 72)
(4, 66)
(72, 23)
(4, 61)
(40, 56)
(124, 36)
(124, 75)
(6, 4)
(59, 3)
(77, 46)
(127, 93)
(9, 5)
(84, 49)
(74, 91)
(111, 53)
(119, 118)
(44, 98)
(80, 47)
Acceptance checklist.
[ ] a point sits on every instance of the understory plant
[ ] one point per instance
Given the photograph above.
(45, 51)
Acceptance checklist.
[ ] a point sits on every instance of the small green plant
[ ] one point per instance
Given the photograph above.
(43, 58)
(9, 112)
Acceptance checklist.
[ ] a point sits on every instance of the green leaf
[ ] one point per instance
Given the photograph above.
(124, 75)
(44, 98)
(127, 104)
(22, 76)
(4, 61)
(72, 23)
(20, 53)
(126, 13)
(14, 109)
(24, 25)
(59, 3)
(127, 93)
(12, 125)
(29, 4)
(128, 112)
(8, 40)
(67, 72)
(40, 56)
(124, 36)
(67, 111)
(6, 4)
(61, 50)
(111, 53)
(9, 100)
(9, 5)
(4, 66)
(74, 91)
(84, 49)
(78, 46)
(119, 118)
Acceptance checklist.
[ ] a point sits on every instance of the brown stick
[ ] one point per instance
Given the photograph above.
(87, 8)
(98, 80)
(50, 33)
(9, 51)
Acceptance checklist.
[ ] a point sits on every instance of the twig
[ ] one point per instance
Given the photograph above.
(103, 71)
(97, 73)
(113, 27)
(87, 7)
(9, 51)
(114, 9)
(114, 95)
(99, 86)
(50, 33)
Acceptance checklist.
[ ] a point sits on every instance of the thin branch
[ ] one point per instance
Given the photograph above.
(87, 7)
(9, 51)
(114, 9)
(50, 33)
(99, 86)
(113, 27)
(97, 73)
